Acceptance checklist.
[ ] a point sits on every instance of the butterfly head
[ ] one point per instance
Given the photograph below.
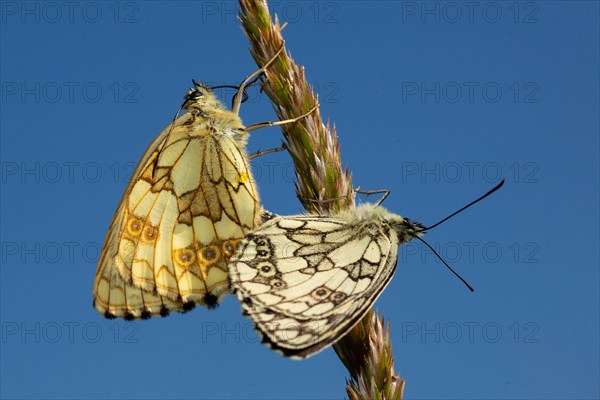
(201, 97)
(407, 229)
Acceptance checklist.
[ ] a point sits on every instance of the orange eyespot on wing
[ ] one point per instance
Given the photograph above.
(210, 255)
(186, 258)
(229, 247)
(134, 227)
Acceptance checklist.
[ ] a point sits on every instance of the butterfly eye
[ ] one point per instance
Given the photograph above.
(195, 95)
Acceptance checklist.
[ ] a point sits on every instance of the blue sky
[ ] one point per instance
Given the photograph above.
(432, 100)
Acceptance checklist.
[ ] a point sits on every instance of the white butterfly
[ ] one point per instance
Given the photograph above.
(306, 280)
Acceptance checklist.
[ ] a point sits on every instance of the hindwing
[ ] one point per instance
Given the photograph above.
(306, 280)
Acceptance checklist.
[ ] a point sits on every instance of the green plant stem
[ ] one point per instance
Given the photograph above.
(323, 186)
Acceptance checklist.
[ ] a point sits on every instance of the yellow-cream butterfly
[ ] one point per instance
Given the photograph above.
(306, 280)
(189, 202)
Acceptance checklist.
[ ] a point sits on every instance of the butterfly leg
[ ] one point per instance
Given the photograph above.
(263, 152)
(385, 192)
(237, 99)
(357, 190)
(277, 123)
(244, 94)
(322, 201)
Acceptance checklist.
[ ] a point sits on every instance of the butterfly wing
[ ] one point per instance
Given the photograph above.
(115, 297)
(305, 281)
(187, 205)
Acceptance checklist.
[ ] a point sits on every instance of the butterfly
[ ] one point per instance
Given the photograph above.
(189, 202)
(306, 280)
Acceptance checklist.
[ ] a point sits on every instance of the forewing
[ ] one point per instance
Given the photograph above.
(189, 202)
(305, 280)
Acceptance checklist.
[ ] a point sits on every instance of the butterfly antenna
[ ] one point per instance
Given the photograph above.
(498, 186)
(447, 265)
